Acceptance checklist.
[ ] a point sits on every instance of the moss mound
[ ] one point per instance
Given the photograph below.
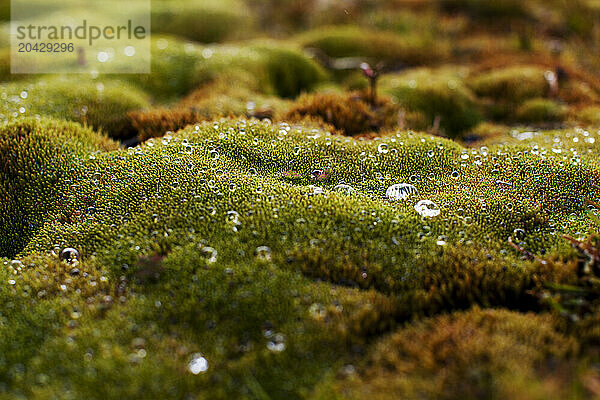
(236, 255)
(349, 114)
(204, 22)
(268, 231)
(495, 352)
(374, 46)
(541, 111)
(511, 84)
(179, 67)
(441, 96)
(37, 167)
(102, 104)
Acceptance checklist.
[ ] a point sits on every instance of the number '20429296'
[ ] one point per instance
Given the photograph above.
(44, 47)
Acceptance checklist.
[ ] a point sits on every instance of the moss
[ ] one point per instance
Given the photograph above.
(268, 258)
(467, 355)
(216, 240)
(349, 113)
(205, 22)
(179, 67)
(289, 71)
(589, 115)
(373, 45)
(211, 101)
(102, 104)
(36, 160)
(511, 84)
(438, 95)
(172, 68)
(487, 9)
(541, 110)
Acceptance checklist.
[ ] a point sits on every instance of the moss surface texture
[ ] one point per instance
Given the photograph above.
(382, 200)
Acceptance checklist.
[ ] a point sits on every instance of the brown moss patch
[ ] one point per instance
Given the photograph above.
(349, 113)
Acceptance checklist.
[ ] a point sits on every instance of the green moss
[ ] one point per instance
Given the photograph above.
(437, 94)
(511, 84)
(36, 160)
(467, 355)
(102, 104)
(179, 67)
(541, 110)
(373, 45)
(215, 240)
(205, 21)
(589, 115)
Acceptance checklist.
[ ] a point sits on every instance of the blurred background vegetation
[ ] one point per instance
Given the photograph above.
(443, 66)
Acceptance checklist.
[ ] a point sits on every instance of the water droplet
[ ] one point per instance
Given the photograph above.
(277, 343)
(383, 148)
(519, 234)
(197, 364)
(69, 255)
(210, 253)
(314, 190)
(263, 253)
(400, 191)
(344, 188)
(427, 208)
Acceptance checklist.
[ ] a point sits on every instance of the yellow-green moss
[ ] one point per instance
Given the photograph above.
(440, 95)
(210, 241)
(205, 21)
(511, 84)
(38, 159)
(179, 67)
(99, 103)
(493, 353)
(540, 111)
(373, 45)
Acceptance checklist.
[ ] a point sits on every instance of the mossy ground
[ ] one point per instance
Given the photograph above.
(251, 242)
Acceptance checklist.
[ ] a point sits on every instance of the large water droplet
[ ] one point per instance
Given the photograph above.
(197, 364)
(400, 191)
(69, 255)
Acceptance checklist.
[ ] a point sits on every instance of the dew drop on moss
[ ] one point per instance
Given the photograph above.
(519, 234)
(197, 364)
(263, 253)
(344, 188)
(427, 208)
(69, 255)
(400, 191)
